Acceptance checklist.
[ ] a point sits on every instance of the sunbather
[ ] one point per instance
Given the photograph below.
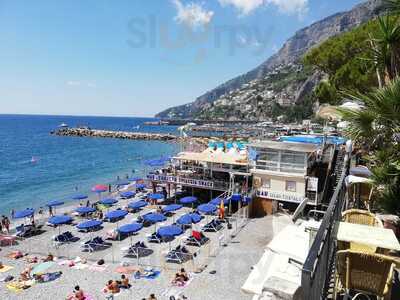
(1, 265)
(124, 282)
(112, 287)
(49, 257)
(26, 274)
(42, 278)
(77, 294)
(152, 297)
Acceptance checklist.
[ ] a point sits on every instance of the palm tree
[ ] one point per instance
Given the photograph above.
(385, 48)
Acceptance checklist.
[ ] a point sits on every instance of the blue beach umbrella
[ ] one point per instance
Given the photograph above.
(85, 210)
(156, 196)
(89, 224)
(137, 204)
(169, 231)
(109, 201)
(24, 213)
(217, 201)
(207, 208)
(127, 194)
(79, 197)
(188, 200)
(154, 217)
(60, 220)
(116, 214)
(171, 208)
(236, 197)
(140, 186)
(130, 228)
(189, 219)
(55, 203)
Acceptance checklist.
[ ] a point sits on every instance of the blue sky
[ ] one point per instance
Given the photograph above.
(137, 57)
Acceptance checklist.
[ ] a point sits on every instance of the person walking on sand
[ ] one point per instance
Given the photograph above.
(50, 211)
(6, 223)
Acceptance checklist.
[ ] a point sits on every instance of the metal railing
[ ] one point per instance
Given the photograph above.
(319, 266)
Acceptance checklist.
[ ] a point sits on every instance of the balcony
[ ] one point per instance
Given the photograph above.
(192, 181)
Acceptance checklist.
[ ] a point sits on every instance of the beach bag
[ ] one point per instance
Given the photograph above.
(100, 262)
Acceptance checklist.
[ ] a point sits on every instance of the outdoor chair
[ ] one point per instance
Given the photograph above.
(364, 274)
(214, 226)
(363, 217)
(197, 239)
(137, 250)
(64, 238)
(94, 244)
(179, 255)
(155, 238)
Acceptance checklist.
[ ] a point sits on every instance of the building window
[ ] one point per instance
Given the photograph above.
(267, 183)
(291, 186)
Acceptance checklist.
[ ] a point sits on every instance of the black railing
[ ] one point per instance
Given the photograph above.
(318, 268)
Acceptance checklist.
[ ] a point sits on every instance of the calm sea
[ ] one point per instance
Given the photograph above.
(64, 164)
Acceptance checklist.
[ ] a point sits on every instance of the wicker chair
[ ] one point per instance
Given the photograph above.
(364, 273)
(363, 217)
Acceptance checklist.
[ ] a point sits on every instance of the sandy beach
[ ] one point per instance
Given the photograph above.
(228, 259)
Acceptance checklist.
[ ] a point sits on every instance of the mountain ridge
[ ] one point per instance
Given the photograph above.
(290, 53)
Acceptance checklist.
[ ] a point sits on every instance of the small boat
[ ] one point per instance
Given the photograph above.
(136, 127)
(34, 160)
(63, 125)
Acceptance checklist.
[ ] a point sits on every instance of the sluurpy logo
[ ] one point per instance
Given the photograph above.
(200, 42)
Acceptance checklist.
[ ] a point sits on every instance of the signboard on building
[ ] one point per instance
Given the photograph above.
(312, 184)
(280, 196)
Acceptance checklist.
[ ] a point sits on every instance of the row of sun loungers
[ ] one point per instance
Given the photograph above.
(95, 244)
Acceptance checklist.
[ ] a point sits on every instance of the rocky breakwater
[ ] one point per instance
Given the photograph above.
(86, 132)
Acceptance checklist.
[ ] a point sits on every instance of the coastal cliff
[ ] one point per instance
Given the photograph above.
(280, 80)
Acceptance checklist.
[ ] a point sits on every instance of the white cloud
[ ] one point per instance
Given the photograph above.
(192, 14)
(290, 7)
(74, 83)
(244, 6)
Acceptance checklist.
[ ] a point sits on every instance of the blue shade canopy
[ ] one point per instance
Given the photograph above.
(156, 196)
(79, 197)
(207, 208)
(116, 214)
(154, 217)
(217, 201)
(85, 210)
(140, 186)
(121, 182)
(127, 194)
(169, 231)
(24, 213)
(313, 139)
(134, 179)
(130, 228)
(89, 224)
(172, 207)
(59, 220)
(236, 197)
(55, 203)
(109, 201)
(137, 204)
(188, 200)
(189, 219)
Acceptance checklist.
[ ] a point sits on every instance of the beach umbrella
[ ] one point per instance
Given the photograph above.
(79, 197)
(169, 231)
(86, 225)
(24, 213)
(116, 214)
(128, 194)
(154, 217)
(55, 203)
(217, 201)
(85, 210)
(42, 267)
(189, 219)
(130, 228)
(156, 196)
(60, 220)
(99, 188)
(171, 208)
(137, 204)
(140, 186)
(188, 200)
(207, 208)
(109, 201)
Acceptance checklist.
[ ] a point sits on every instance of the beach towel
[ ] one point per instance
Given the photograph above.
(40, 268)
(6, 269)
(127, 270)
(153, 275)
(88, 297)
(98, 268)
(80, 266)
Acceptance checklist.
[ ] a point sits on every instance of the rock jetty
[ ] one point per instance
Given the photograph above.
(87, 132)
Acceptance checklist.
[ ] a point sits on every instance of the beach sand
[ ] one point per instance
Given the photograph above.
(231, 263)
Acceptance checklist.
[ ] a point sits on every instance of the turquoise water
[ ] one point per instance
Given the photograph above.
(64, 164)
